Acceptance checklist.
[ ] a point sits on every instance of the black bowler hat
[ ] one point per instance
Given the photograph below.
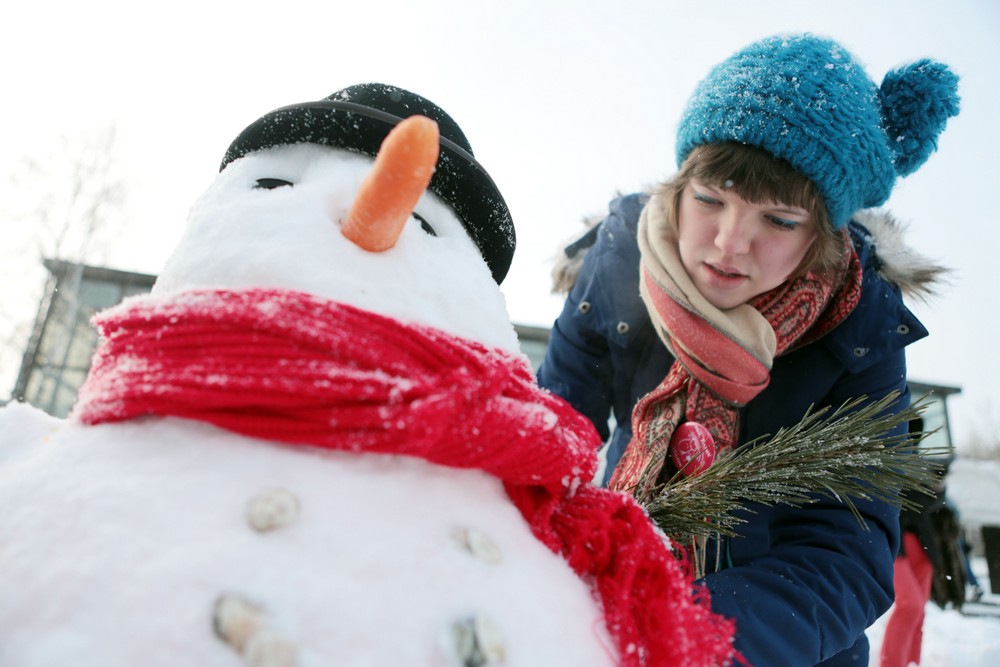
(358, 118)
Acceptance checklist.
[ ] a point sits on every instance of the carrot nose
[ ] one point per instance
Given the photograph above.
(403, 168)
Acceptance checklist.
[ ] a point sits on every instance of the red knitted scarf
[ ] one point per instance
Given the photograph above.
(723, 358)
(303, 371)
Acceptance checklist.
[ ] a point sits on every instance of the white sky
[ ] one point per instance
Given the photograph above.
(564, 105)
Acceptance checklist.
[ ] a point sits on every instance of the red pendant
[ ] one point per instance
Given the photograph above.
(692, 448)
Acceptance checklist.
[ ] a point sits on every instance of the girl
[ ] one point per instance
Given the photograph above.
(747, 289)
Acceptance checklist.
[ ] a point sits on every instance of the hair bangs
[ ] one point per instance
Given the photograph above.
(758, 177)
(753, 174)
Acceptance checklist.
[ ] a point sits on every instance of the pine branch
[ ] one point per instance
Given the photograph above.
(846, 456)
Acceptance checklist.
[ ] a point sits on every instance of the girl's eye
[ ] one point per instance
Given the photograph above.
(424, 225)
(705, 199)
(270, 183)
(781, 223)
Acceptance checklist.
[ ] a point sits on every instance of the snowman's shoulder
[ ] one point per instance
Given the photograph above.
(22, 426)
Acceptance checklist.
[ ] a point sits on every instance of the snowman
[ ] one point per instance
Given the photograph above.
(316, 442)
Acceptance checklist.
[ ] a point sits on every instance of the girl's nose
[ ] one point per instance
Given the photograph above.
(734, 234)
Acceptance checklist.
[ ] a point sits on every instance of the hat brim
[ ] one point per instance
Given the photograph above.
(458, 178)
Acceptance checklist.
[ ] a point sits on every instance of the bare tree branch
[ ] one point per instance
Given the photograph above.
(66, 202)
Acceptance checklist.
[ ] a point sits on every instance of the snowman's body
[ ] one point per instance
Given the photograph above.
(117, 542)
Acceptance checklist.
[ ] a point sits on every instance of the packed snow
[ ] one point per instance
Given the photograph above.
(152, 516)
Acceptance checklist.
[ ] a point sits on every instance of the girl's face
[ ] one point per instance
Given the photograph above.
(734, 250)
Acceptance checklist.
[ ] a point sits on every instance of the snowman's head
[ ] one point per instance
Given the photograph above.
(273, 218)
(358, 118)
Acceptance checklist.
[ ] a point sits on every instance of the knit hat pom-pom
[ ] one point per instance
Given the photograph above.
(917, 101)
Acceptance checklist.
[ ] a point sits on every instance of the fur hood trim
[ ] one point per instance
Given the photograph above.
(566, 267)
(916, 275)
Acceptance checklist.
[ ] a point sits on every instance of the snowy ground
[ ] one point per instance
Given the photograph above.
(952, 639)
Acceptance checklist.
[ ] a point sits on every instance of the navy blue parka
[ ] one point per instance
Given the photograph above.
(802, 583)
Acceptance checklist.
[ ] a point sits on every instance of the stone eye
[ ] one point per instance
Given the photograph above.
(424, 225)
(270, 183)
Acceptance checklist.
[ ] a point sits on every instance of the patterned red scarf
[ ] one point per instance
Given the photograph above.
(723, 358)
(303, 371)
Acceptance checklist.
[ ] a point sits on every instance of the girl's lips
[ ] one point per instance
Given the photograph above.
(723, 277)
(725, 271)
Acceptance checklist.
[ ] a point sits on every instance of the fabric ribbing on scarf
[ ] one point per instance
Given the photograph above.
(291, 367)
(303, 371)
(722, 358)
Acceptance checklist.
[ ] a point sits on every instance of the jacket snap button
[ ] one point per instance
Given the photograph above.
(902, 329)
(584, 307)
(860, 351)
(623, 328)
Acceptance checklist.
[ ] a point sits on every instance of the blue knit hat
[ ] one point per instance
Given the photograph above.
(806, 100)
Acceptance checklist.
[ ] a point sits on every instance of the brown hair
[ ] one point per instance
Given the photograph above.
(758, 177)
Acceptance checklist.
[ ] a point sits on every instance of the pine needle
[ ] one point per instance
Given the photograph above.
(846, 456)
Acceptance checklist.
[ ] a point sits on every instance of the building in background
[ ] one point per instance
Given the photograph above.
(57, 357)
